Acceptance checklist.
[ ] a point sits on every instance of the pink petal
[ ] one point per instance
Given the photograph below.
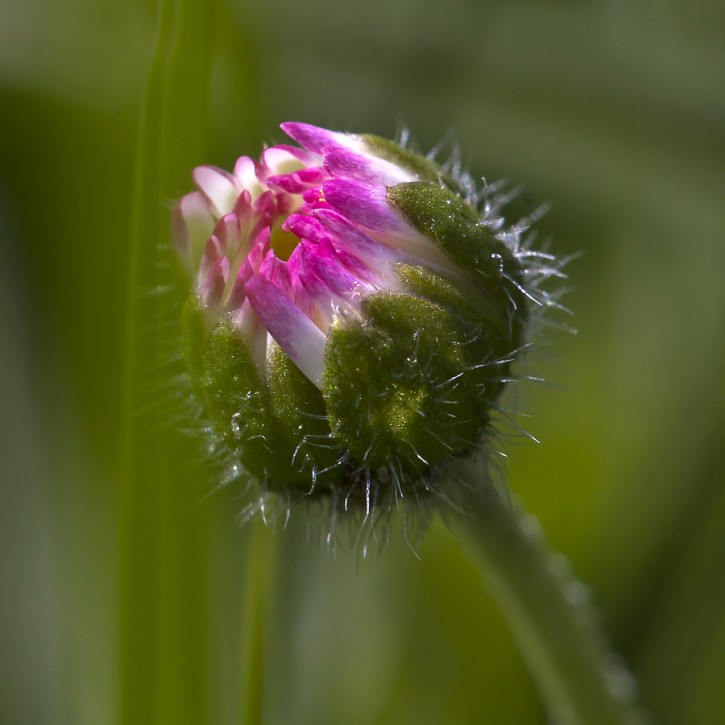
(213, 252)
(192, 223)
(293, 331)
(265, 209)
(322, 274)
(341, 162)
(283, 159)
(243, 208)
(245, 172)
(237, 295)
(257, 254)
(298, 181)
(346, 236)
(213, 283)
(313, 138)
(322, 285)
(304, 226)
(219, 186)
(277, 272)
(366, 205)
(229, 232)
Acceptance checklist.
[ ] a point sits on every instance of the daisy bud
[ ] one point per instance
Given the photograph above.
(355, 309)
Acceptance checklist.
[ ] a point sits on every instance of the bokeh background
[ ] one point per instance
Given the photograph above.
(611, 112)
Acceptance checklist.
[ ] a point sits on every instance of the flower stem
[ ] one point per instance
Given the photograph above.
(579, 677)
(260, 584)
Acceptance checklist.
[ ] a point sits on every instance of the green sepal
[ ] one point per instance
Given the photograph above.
(487, 328)
(492, 311)
(299, 408)
(238, 405)
(445, 218)
(275, 428)
(393, 385)
(194, 333)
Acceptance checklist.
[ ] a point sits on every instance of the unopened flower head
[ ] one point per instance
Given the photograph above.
(354, 314)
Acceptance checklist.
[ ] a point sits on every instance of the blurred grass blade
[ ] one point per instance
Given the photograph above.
(261, 570)
(162, 533)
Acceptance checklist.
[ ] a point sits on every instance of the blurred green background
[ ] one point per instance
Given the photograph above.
(612, 112)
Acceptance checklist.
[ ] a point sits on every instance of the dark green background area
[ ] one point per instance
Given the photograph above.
(611, 112)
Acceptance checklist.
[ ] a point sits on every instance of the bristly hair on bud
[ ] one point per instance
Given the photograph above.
(354, 315)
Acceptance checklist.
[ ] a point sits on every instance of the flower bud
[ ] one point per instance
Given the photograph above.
(353, 313)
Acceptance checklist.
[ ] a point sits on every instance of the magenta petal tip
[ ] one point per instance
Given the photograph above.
(312, 138)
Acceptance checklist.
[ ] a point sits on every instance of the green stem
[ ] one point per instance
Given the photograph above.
(578, 676)
(260, 584)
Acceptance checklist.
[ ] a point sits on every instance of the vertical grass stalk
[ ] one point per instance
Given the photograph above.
(162, 636)
(261, 571)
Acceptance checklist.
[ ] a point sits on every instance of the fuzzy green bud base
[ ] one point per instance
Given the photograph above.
(355, 314)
